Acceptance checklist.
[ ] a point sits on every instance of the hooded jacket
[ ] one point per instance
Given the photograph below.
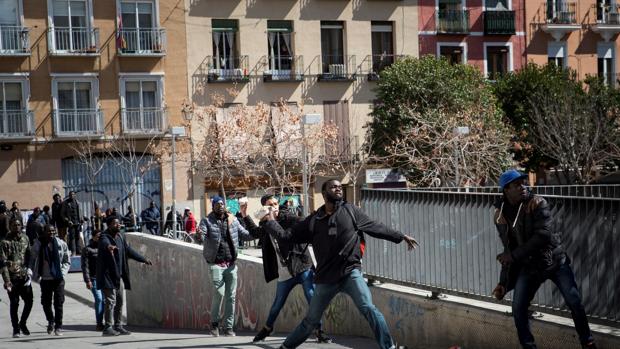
(114, 266)
(62, 253)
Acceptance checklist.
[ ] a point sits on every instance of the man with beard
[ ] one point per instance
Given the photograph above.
(14, 258)
(113, 267)
(533, 254)
(335, 231)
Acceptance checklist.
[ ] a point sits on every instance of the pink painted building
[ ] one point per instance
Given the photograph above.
(489, 34)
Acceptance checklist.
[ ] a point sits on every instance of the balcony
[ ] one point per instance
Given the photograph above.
(78, 122)
(452, 21)
(16, 124)
(14, 41)
(561, 18)
(227, 69)
(73, 41)
(499, 22)
(609, 79)
(142, 42)
(336, 68)
(144, 121)
(373, 65)
(608, 22)
(290, 69)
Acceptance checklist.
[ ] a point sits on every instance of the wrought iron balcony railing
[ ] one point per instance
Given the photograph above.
(336, 67)
(73, 41)
(499, 22)
(16, 124)
(14, 41)
(227, 69)
(453, 21)
(144, 120)
(284, 68)
(142, 42)
(78, 122)
(561, 12)
(373, 65)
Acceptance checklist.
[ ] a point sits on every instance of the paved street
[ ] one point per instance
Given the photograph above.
(79, 330)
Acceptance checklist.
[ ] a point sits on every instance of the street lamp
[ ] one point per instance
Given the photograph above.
(308, 119)
(458, 132)
(175, 131)
(188, 114)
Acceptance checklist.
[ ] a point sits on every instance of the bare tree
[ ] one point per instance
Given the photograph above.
(91, 153)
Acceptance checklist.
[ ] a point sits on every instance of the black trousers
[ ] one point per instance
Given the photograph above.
(53, 289)
(25, 292)
(74, 241)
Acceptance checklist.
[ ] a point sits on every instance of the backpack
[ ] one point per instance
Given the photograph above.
(346, 247)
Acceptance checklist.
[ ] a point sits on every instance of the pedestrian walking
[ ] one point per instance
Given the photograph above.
(70, 214)
(221, 232)
(34, 227)
(89, 272)
(57, 219)
(289, 263)
(335, 232)
(151, 218)
(50, 262)
(16, 213)
(113, 275)
(532, 255)
(189, 221)
(17, 277)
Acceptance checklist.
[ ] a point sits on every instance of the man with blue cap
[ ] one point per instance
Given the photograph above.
(221, 232)
(532, 255)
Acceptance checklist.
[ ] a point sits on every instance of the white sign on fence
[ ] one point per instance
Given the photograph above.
(384, 175)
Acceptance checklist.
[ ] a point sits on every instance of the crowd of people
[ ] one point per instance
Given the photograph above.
(336, 231)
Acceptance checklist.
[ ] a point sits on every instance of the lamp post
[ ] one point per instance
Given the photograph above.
(175, 131)
(188, 115)
(458, 132)
(308, 119)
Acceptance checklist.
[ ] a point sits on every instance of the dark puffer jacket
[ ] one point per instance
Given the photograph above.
(89, 261)
(534, 242)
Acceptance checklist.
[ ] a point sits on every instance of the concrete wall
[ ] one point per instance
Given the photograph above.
(176, 293)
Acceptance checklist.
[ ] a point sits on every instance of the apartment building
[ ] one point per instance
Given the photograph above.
(86, 69)
(489, 34)
(324, 54)
(581, 35)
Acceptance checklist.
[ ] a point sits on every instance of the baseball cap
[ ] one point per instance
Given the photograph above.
(509, 177)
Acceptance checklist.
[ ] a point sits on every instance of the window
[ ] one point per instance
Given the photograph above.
(11, 33)
(497, 5)
(75, 105)
(224, 44)
(450, 5)
(332, 48)
(497, 60)
(382, 37)
(337, 113)
(142, 100)
(280, 45)
(454, 53)
(606, 58)
(71, 25)
(556, 53)
(607, 12)
(139, 27)
(13, 107)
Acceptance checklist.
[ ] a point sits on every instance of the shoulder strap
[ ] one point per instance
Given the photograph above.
(349, 210)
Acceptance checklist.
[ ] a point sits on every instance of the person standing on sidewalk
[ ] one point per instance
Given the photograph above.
(221, 233)
(70, 213)
(89, 271)
(289, 263)
(113, 273)
(57, 220)
(14, 258)
(51, 262)
(151, 218)
(335, 231)
(532, 255)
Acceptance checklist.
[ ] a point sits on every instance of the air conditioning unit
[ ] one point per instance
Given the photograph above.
(337, 69)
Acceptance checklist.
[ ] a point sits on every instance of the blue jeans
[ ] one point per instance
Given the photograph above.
(353, 285)
(305, 279)
(525, 288)
(225, 287)
(98, 302)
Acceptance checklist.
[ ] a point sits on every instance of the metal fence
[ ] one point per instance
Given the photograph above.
(590, 190)
(459, 244)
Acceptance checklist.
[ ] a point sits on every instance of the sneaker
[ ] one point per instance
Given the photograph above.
(262, 334)
(58, 332)
(109, 331)
(321, 337)
(121, 330)
(215, 332)
(99, 327)
(16, 334)
(24, 329)
(50, 328)
(229, 332)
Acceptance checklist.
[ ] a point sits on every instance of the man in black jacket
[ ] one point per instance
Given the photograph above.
(288, 262)
(334, 231)
(70, 215)
(533, 254)
(89, 271)
(112, 268)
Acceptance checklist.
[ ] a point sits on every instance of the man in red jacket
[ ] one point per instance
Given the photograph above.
(190, 222)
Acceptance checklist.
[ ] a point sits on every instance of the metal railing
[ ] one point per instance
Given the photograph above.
(284, 68)
(144, 120)
(561, 12)
(459, 242)
(81, 41)
(227, 69)
(14, 40)
(373, 65)
(78, 122)
(453, 21)
(16, 124)
(608, 14)
(609, 78)
(586, 190)
(142, 41)
(336, 67)
(499, 22)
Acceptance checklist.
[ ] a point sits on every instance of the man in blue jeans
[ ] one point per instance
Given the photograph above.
(290, 263)
(533, 254)
(335, 232)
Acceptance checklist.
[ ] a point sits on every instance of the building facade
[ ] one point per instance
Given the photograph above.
(488, 34)
(81, 70)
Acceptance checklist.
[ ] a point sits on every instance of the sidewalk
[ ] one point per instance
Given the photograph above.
(79, 330)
